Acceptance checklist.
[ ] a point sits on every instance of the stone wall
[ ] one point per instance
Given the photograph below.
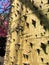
(28, 34)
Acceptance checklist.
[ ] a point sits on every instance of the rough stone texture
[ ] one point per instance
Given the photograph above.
(28, 36)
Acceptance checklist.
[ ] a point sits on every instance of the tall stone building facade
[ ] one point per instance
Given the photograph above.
(28, 33)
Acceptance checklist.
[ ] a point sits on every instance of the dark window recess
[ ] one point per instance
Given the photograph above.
(11, 17)
(31, 44)
(34, 23)
(18, 12)
(12, 63)
(41, 34)
(48, 42)
(25, 17)
(42, 59)
(41, 2)
(44, 32)
(26, 64)
(13, 39)
(17, 30)
(16, 51)
(43, 46)
(47, 63)
(25, 56)
(21, 7)
(27, 24)
(36, 35)
(48, 1)
(16, 15)
(40, 6)
(36, 8)
(44, 27)
(2, 46)
(41, 23)
(17, 4)
(38, 50)
(46, 14)
(18, 45)
(26, 40)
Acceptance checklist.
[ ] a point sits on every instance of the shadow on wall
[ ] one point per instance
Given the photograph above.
(2, 46)
(43, 18)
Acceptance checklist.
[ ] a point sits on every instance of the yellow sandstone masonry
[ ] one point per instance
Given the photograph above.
(28, 34)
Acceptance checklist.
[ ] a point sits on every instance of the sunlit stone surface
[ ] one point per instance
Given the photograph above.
(28, 35)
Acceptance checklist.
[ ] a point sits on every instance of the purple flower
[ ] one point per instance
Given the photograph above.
(5, 5)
